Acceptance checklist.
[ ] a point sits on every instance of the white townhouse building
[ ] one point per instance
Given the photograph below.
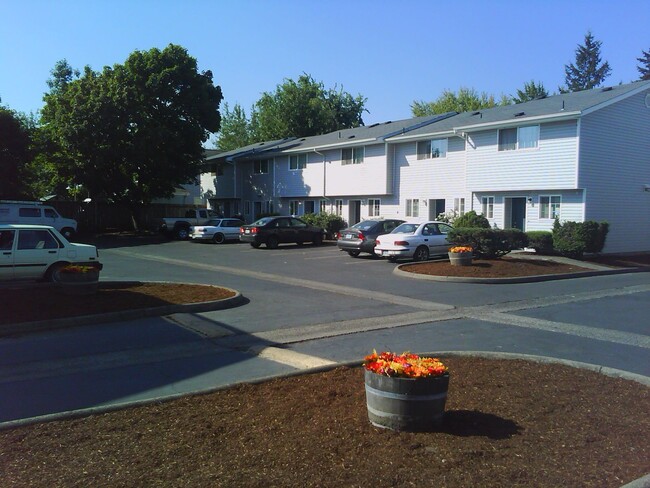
(576, 156)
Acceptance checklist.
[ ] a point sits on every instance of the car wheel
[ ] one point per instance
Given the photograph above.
(354, 254)
(53, 272)
(272, 242)
(255, 244)
(182, 233)
(421, 254)
(318, 239)
(218, 238)
(67, 232)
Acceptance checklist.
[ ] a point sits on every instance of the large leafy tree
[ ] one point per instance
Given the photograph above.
(588, 71)
(465, 100)
(235, 131)
(304, 108)
(134, 131)
(15, 154)
(644, 67)
(531, 91)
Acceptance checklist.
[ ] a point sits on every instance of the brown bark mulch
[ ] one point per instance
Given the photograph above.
(508, 423)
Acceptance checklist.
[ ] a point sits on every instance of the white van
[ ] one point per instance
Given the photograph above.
(36, 213)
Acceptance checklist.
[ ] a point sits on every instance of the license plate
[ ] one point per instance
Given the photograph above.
(247, 231)
(384, 253)
(348, 236)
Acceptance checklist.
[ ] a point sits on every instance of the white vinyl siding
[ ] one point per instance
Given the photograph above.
(363, 180)
(614, 167)
(553, 165)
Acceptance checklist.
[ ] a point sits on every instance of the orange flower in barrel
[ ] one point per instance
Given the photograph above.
(405, 365)
(461, 249)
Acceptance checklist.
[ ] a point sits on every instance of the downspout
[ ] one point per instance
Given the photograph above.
(324, 176)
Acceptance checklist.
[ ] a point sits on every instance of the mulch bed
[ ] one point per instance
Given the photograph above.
(45, 302)
(509, 423)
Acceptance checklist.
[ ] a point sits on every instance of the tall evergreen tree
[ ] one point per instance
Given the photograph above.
(531, 91)
(644, 67)
(588, 71)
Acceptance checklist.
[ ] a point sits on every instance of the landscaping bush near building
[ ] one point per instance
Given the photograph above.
(573, 239)
(488, 243)
(541, 241)
(330, 222)
(472, 219)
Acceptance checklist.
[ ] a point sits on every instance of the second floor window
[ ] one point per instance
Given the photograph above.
(436, 148)
(519, 138)
(261, 167)
(352, 155)
(299, 161)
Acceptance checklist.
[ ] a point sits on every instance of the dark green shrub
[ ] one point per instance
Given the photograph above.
(541, 241)
(472, 219)
(330, 222)
(488, 243)
(573, 239)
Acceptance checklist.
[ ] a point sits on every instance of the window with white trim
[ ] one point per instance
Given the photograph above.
(309, 206)
(338, 207)
(297, 161)
(518, 138)
(435, 148)
(323, 206)
(247, 207)
(487, 204)
(374, 207)
(412, 207)
(549, 206)
(459, 206)
(352, 155)
(261, 166)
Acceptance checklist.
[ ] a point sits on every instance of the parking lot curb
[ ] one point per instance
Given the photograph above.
(133, 314)
(398, 270)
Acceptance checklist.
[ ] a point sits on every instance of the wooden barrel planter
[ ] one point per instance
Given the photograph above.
(77, 283)
(460, 258)
(406, 404)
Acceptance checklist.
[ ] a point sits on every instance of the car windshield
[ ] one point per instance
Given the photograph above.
(364, 225)
(405, 229)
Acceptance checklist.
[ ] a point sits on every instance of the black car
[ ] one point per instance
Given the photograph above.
(361, 237)
(277, 230)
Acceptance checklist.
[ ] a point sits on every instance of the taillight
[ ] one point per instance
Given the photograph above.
(254, 230)
(338, 236)
(377, 241)
(361, 236)
(241, 230)
(401, 243)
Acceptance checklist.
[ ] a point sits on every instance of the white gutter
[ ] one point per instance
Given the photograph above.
(420, 136)
(348, 142)
(518, 121)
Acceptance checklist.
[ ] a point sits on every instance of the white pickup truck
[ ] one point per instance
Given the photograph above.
(179, 227)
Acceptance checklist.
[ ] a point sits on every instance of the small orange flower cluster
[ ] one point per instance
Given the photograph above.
(461, 249)
(405, 365)
(77, 269)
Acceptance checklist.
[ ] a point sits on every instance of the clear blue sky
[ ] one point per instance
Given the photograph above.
(392, 52)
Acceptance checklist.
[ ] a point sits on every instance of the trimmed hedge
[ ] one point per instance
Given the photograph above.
(472, 219)
(330, 222)
(541, 241)
(488, 243)
(573, 239)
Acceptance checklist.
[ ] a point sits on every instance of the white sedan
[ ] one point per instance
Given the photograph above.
(415, 240)
(217, 231)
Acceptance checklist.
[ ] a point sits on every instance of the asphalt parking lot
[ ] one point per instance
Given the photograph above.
(308, 306)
